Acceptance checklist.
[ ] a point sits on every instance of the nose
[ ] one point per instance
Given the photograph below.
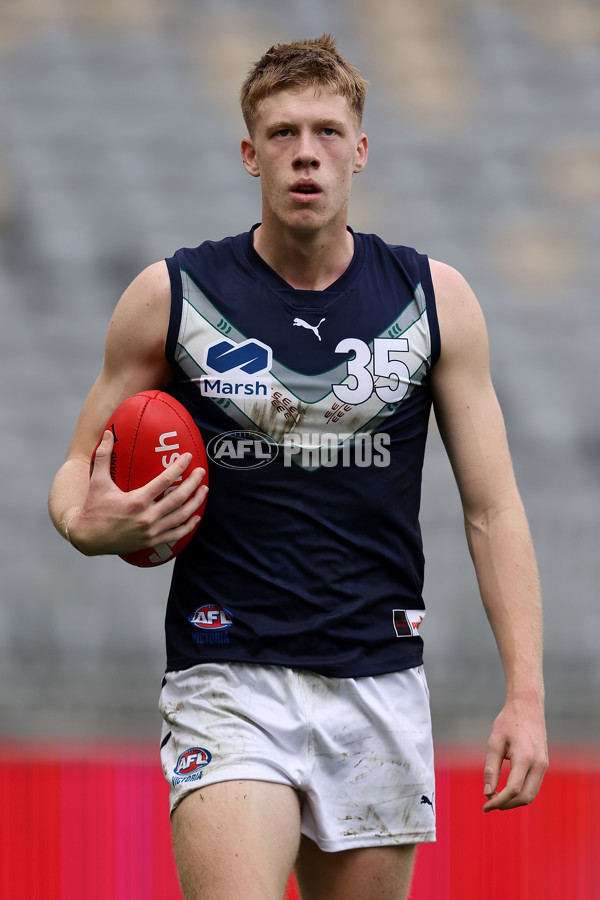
(306, 154)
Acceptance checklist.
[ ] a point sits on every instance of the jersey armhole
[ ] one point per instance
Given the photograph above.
(432, 317)
(176, 307)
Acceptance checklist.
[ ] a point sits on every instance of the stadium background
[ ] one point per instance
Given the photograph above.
(119, 135)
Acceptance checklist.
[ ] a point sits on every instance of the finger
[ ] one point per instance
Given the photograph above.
(101, 459)
(168, 477)
(190, 488)
(511, 790)
(178, 505)
(178, 524)
(522, 790)
(493, 767)
(177, 533)
(176, 510)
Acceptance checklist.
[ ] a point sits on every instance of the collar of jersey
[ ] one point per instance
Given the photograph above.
(277, 283)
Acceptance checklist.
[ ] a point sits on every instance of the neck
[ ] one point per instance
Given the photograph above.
(309, 261)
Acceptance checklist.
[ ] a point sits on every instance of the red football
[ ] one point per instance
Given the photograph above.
(152, 430)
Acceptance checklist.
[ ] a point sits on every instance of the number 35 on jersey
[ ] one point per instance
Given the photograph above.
(365, 368)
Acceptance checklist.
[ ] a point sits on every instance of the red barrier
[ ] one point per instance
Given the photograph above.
(92, 824)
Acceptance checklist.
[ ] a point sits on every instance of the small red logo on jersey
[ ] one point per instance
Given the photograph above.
(407, 621)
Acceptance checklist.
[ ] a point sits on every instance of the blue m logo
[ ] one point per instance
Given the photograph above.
(250, 356)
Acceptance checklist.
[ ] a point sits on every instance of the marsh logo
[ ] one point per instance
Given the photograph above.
(237, 370)
(242, 450)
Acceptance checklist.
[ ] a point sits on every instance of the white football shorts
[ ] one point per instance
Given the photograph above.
(359, 751)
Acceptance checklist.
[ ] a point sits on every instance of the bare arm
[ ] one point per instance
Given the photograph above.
(472, 428)
(93, 513)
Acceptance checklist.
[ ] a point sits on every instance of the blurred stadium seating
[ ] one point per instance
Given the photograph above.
(119, 134)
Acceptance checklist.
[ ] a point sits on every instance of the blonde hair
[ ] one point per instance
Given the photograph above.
(298, 65)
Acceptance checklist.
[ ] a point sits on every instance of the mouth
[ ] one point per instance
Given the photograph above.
(305, 191)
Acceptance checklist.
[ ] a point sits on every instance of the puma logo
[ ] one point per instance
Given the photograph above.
(304, 324)
(425, 799)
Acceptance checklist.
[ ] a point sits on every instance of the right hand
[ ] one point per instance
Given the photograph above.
(116, 521)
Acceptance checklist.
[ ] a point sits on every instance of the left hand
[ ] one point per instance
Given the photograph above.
(518, 735)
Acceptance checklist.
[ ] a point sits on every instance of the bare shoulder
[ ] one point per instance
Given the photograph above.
(139, 325)
(466, 407)
(445, 277)
(453, 293)
(149, 291)
(154, 280)
(134, 354)
(460, 317)
(461, 378)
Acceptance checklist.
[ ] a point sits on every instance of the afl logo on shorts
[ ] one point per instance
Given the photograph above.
(190, 764)
(192, 760)
(212, 618)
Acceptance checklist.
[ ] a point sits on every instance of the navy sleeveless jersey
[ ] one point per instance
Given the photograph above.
(314, 407)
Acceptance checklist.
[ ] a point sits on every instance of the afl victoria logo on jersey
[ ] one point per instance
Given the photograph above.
(211, 617)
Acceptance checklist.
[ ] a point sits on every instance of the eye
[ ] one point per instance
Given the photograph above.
(282, 132)
(329, 132)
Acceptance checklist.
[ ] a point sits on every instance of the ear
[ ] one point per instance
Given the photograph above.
(249, 159)
(362, 152)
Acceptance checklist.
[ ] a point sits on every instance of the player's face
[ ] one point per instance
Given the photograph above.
(305, 149)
